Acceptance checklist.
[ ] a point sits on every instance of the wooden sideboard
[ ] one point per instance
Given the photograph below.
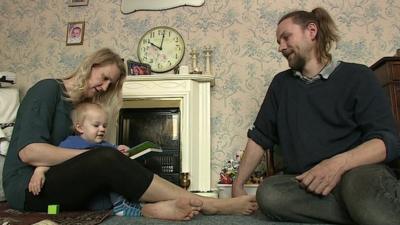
(387, 70)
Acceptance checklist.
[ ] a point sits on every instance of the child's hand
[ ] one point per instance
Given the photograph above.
(36, 183)
(123, 149)
(37, 180)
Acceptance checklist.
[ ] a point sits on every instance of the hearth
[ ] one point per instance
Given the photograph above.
(159, 125)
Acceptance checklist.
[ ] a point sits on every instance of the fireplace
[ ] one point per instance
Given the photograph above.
(158, 125)
(190, 95)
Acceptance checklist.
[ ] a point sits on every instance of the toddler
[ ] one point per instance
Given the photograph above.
(89, 123)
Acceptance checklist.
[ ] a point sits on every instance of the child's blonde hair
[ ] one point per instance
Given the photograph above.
(82, 111)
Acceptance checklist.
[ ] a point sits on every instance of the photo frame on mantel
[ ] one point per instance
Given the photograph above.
(137, 68)
(72, 3)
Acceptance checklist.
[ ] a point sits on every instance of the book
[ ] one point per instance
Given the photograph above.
(143, 148)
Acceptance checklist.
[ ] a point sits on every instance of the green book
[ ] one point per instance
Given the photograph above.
(143, 148)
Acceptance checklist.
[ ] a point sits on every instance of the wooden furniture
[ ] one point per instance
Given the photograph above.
(387, 70)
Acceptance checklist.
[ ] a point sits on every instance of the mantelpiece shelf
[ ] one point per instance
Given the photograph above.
(155, 77)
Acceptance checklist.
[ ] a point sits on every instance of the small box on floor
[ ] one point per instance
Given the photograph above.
(53, 209)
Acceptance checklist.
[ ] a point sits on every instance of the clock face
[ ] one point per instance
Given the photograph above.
(162, 48)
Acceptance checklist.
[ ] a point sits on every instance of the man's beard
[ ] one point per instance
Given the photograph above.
(297, 62)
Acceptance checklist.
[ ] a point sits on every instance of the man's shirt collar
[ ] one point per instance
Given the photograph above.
(324, 73)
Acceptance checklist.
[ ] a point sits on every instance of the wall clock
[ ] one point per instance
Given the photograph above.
(162, 48)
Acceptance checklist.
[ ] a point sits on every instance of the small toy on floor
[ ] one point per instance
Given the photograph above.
(53, 209)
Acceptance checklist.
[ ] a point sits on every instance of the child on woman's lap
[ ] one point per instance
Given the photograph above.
(90, 123)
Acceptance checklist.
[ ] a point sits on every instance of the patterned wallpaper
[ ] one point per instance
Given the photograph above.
(242, 34)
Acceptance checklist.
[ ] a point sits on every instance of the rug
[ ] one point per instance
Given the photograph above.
(10, 216)
(255, 219)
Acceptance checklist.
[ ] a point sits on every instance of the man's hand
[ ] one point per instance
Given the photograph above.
(238, 189)
(250, 159)
(323, 177)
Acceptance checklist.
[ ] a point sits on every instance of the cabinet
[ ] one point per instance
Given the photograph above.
(387, 70)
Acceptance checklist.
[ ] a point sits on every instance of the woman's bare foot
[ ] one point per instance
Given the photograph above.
(242, 205)
(180, 209)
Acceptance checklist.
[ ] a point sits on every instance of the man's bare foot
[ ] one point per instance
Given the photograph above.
(242, 205)
(180, 209)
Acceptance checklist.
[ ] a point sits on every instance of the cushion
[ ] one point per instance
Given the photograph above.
(2, 197)
(9, 103)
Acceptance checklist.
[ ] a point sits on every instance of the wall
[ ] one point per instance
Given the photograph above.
(242, 34)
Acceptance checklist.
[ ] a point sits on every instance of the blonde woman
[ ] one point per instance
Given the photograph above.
(75, 177)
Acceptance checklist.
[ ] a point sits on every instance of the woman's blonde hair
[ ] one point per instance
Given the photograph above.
(111, 100)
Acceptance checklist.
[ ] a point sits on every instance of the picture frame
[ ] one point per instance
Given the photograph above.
(75, 33)
(138, 68)
(72, 3)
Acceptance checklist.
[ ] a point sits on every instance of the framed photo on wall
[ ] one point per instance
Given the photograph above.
(72, 3)
(137, 68)
(75, 33)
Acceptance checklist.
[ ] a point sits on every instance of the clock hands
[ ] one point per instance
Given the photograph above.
(162, 41)
(151, 43)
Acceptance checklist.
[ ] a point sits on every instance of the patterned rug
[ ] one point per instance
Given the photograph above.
(13, 217)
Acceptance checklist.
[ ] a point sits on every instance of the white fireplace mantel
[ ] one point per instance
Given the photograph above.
(171, 77)
(193, 95)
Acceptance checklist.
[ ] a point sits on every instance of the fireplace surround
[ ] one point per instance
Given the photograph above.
(191, 94)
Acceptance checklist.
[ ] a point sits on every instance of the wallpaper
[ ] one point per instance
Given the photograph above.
(241, 34)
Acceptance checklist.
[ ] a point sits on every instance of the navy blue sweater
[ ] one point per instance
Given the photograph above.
(315, 121)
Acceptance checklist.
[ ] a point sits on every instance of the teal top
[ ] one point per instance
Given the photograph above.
(43, 117)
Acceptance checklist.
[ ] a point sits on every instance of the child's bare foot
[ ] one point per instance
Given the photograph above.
(180, 209)
(242, 205)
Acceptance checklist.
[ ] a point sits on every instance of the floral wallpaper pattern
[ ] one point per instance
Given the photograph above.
(241, 33)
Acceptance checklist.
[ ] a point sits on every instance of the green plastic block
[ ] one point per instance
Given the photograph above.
(53, 209)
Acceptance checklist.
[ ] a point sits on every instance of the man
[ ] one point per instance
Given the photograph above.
(334, 126)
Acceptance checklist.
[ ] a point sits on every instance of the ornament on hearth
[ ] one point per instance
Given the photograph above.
(230, 169)
(228, 172)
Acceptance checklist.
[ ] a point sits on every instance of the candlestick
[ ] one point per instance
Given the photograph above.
(207, 58)
(194, 56)
(184, 180)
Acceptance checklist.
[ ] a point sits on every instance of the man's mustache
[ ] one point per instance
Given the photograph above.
(287, 52)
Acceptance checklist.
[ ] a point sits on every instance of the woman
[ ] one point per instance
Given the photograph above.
(78, 176)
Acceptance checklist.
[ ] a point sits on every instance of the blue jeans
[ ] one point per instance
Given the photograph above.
(365, 195)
